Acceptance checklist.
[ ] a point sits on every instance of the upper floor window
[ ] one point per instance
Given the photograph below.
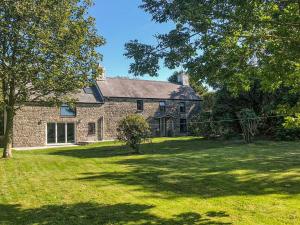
(140, 105)
(162, 106)
(67, 111)
(182, 107)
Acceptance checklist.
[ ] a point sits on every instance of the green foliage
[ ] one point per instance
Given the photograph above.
(225, 43)
(265, 104)
(292, 122)
(133, 130)
(287, 134)
(202, 125)
(208, 101)
(205, 124)
(271, 107)
(290, 129)
(47, 53)
(48, 49)
(249, 123)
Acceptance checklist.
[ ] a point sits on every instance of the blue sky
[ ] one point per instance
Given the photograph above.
(120, 21)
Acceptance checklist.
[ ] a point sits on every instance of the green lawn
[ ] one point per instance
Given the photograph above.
(175, 181)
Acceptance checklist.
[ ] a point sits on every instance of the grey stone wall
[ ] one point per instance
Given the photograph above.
(117, 108)
(31, 121)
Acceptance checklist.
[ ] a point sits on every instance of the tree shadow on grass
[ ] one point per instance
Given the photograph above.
(165, 147)
(202, 168)
(91, 213)
(209, 170)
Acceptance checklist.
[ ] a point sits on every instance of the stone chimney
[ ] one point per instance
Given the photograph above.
(183, 79)
(101, 75)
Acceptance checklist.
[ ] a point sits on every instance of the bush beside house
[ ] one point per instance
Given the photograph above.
(133, 130)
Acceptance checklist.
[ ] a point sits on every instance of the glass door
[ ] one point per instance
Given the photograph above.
(51, 133)
(70, 133)
(60, 133)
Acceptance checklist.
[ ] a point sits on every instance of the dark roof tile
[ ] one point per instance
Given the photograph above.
(130, 88)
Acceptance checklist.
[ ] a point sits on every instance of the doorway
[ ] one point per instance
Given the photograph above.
(166, 127)
(101, 129)
(60, 133)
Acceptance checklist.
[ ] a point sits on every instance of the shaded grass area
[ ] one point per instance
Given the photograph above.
(175, 181)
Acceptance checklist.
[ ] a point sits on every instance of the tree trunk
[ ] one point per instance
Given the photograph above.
(7, 153)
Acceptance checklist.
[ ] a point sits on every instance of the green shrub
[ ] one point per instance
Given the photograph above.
(288, 134)
(202, 125)
(133, 130)
(249, 123)
(206, 125)
(290, 129)
(292, 122)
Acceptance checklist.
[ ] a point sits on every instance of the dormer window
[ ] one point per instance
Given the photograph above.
(67, 111)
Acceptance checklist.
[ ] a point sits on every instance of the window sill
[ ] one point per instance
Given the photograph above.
(60, 144)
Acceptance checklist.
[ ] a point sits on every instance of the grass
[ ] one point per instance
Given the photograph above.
(175, 181)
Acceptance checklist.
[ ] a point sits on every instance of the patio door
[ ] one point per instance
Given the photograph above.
(60, 133)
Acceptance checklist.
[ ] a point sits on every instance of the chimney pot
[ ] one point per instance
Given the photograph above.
(183, 79)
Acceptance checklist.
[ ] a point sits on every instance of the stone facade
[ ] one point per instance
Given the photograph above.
(30, 126)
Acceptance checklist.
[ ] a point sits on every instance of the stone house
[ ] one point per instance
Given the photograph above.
(167, 107)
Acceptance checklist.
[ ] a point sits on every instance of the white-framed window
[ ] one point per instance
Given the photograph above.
(60, 133)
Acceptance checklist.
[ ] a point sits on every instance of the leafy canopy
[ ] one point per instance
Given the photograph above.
(47, 49)
(225, 43)
(47, 53)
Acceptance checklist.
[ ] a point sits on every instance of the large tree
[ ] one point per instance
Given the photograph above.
(47, 50)
(225, 43)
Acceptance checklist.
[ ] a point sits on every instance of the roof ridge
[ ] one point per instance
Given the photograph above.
(158, 81)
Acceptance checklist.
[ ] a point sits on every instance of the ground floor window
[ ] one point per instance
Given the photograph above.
(91, 128)
(60, 133)
(183, 126)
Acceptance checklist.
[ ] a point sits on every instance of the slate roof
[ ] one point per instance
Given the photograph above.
(89, 95)
(145, 89)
